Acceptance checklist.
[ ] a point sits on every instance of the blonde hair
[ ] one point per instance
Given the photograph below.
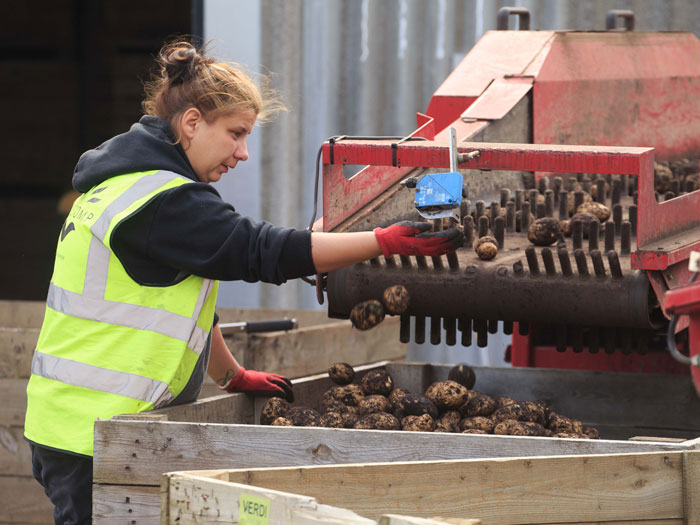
(188, 78)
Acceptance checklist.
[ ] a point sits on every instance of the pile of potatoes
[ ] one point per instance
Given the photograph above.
(445, 406)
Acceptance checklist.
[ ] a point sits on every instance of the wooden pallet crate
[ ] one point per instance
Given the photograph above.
(131, 453)
(297, 353)
(650, 488)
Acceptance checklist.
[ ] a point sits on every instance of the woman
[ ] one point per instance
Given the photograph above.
(130, 323)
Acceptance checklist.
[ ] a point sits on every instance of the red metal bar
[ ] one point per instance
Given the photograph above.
(387, 165)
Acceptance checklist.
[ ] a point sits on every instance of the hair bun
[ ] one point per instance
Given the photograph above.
(180, 61)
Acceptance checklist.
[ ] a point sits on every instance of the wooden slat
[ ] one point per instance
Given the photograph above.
(312, 350)
(691, 485)
(15, 455)
(22, 314)
(22, 500)
(134, 452)
(16, 351)
(195, 499)
(118, 504)
(508, 491)
(13, 393)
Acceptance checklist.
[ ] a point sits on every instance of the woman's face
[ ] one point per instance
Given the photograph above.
(215, 147)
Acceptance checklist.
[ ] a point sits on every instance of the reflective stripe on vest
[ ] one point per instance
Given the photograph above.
(100, 379)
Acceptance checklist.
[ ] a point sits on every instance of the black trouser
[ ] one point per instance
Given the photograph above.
(67, 481)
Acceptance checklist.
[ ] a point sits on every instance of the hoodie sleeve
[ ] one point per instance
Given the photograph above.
(191, 230)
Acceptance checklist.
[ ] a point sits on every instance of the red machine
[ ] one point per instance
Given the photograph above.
(557, 117)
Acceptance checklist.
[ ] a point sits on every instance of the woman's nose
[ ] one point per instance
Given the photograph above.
(241, 152)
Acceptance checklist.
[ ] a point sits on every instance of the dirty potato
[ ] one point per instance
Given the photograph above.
(565, 227)
(502, 401)
(558, 423)
(282, 422)
(377, 382)
(533, 412)
(349, 395)
(378, 421)
(272, 409)
(486, 248)
(372, 404)
(332, 420)
(478, 422)
(396, 299)
(395, 397)
(331, 405)
(479, 405)
(367, 314)
(544, 231)
(417, 405)
(601, 211)
(473, 431)
(463, 374)
(303, 417)
(587, 220)
(570, 202)
(506, 412)
(423, 423)
(341, 373)
(447, 395)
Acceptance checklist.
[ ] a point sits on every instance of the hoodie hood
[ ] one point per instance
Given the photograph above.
(148, 145)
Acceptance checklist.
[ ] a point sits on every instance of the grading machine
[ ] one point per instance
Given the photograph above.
(544, 121)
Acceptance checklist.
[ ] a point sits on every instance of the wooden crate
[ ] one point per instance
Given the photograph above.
(650, 488)
(131, 453)
(296, 353)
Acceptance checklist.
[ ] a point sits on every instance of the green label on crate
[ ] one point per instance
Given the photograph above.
(254, 510)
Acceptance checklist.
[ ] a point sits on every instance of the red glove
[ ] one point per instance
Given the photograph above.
(260, 383)
(410, 238)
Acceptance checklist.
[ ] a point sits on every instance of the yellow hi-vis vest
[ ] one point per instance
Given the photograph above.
(109, 345)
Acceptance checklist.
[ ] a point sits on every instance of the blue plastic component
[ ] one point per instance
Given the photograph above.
(438, 194)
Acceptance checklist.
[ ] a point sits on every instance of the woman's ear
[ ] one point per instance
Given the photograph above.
(188, 123)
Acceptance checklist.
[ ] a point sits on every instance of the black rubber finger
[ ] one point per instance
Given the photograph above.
(287, 389)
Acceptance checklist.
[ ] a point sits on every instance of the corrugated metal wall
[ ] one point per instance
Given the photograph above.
(364, 67)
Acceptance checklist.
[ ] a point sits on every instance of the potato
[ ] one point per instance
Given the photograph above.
(281, 422)
(463, 374)
(347, 394)
(486, 248)
(506, 412)
(565, 227)
(377, 382)
(417, 405)
(423, 423)
(663, 176)
(372, 404)
(332, 420)
(586, 221)
(601, 211)
(558, 424)
(473, 431)
(332, 405)
(533, 412)
(395, 397)
(449, 421)
(512, 427)
(544, 231)
(303, 417)
(447, 395)
(479, 405)
(396, 299)
(341, 373)
(378, 421)
(591, 432)
(478, 422)
(502, 401)
(272, 409)
(570, 201)
(367, 314)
